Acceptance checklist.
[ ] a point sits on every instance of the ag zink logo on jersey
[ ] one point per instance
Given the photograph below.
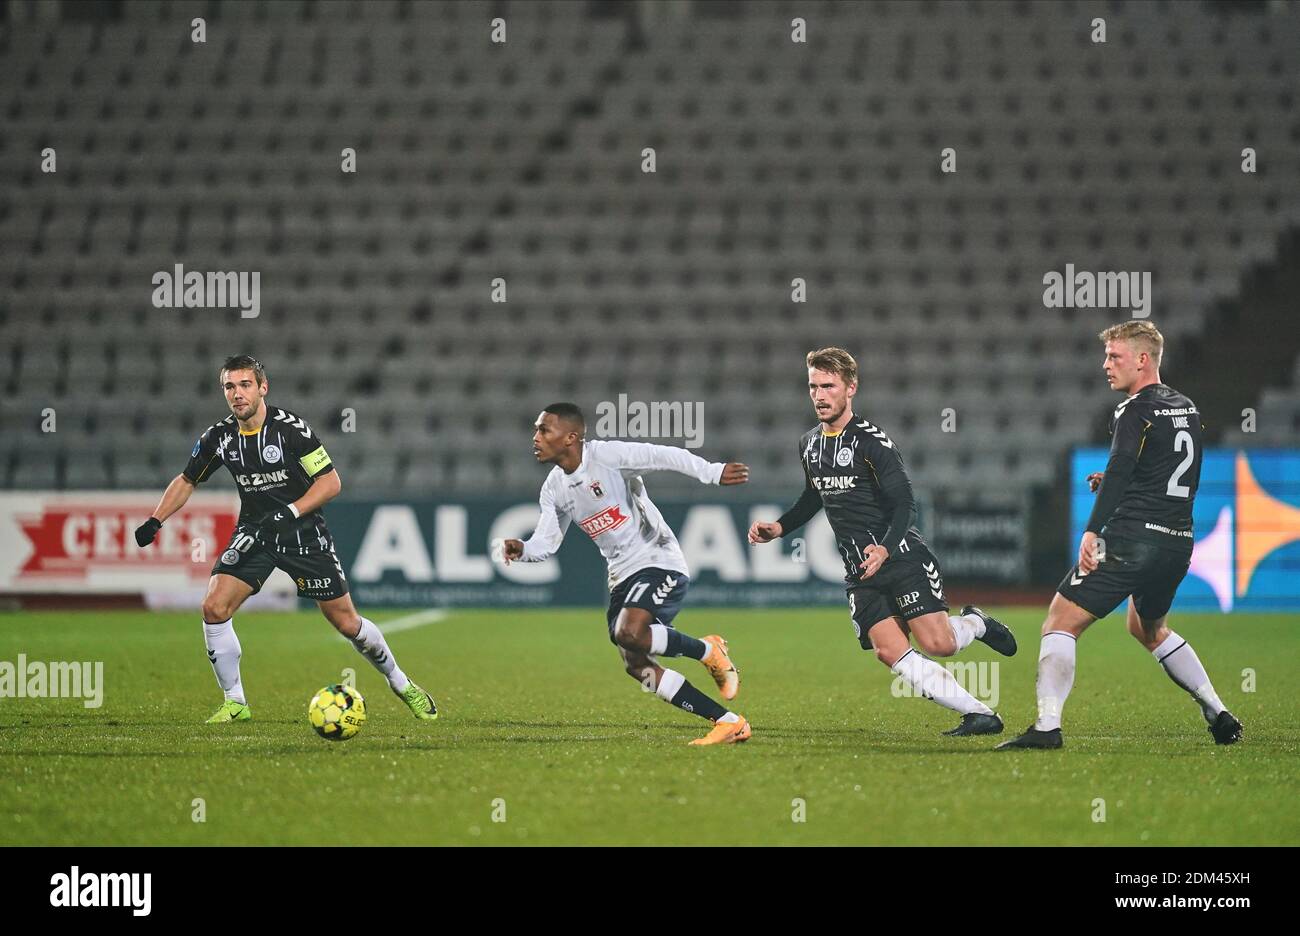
(835, 482)
(844, 457)
(611, 518)
(271, 454)
(230, 557)
(255, 479)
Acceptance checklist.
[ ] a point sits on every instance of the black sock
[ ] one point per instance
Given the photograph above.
(690, 699)
(680, 644)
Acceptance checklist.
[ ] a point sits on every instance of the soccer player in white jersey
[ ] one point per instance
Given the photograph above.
(598, 483)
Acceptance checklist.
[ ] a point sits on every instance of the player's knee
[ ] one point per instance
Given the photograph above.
(1148, 635)
(1059, 622)
(630, 637)
(1135, 628)
(937, 644)
(1050, 624)
(888, 655)
(348, 624)
(216, 609)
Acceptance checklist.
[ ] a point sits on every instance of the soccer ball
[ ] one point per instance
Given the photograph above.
(337, 712)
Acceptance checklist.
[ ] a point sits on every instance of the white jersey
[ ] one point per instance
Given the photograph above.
(607, 497)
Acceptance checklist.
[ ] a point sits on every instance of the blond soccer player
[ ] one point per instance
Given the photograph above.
(1143, 516)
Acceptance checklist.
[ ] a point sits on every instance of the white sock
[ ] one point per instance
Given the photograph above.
(937, 684)
(1184, 668)
(658, 639)
(729, 718)
(669, 683)
(1055, 677)
(224, 652)
(965, 627)
(370, 644)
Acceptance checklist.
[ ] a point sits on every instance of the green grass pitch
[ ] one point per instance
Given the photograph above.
(541, 726)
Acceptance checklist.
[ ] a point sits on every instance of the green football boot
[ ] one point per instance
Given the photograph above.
(230, 711)
(418, 701)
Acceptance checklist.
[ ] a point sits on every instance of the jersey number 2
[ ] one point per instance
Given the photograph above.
(1181, 441)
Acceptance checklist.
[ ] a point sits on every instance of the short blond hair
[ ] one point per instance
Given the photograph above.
(1141, 336)
(834, 361)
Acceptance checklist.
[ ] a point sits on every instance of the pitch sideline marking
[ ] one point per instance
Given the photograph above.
(411, 621)
(407, 622)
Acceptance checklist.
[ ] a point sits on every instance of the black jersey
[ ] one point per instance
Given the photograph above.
(857, 475)
(272, 466)
(1153, 471)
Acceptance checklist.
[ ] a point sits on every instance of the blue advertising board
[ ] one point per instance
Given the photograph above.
(1246, 516)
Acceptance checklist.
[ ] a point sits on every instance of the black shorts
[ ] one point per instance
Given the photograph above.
(1150, 573)
(318, 573)
(659, 591)
(907, 585)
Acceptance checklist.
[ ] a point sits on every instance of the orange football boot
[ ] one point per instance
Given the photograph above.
(720, 667)
(726, 733)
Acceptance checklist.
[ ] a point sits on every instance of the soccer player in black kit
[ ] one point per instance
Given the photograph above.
(284, 477)
(1138, 541)
(854, 471)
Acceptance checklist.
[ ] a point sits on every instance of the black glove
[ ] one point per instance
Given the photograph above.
(282, 522)
(146, 531)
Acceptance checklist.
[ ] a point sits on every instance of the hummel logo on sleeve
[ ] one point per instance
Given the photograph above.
(878, 433)
(300, 424)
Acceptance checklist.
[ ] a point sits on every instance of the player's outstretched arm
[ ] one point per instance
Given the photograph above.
(803, 510)
(646, 456)
(173, 499)
(734, 473)
(204, 460)
(546, 538)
